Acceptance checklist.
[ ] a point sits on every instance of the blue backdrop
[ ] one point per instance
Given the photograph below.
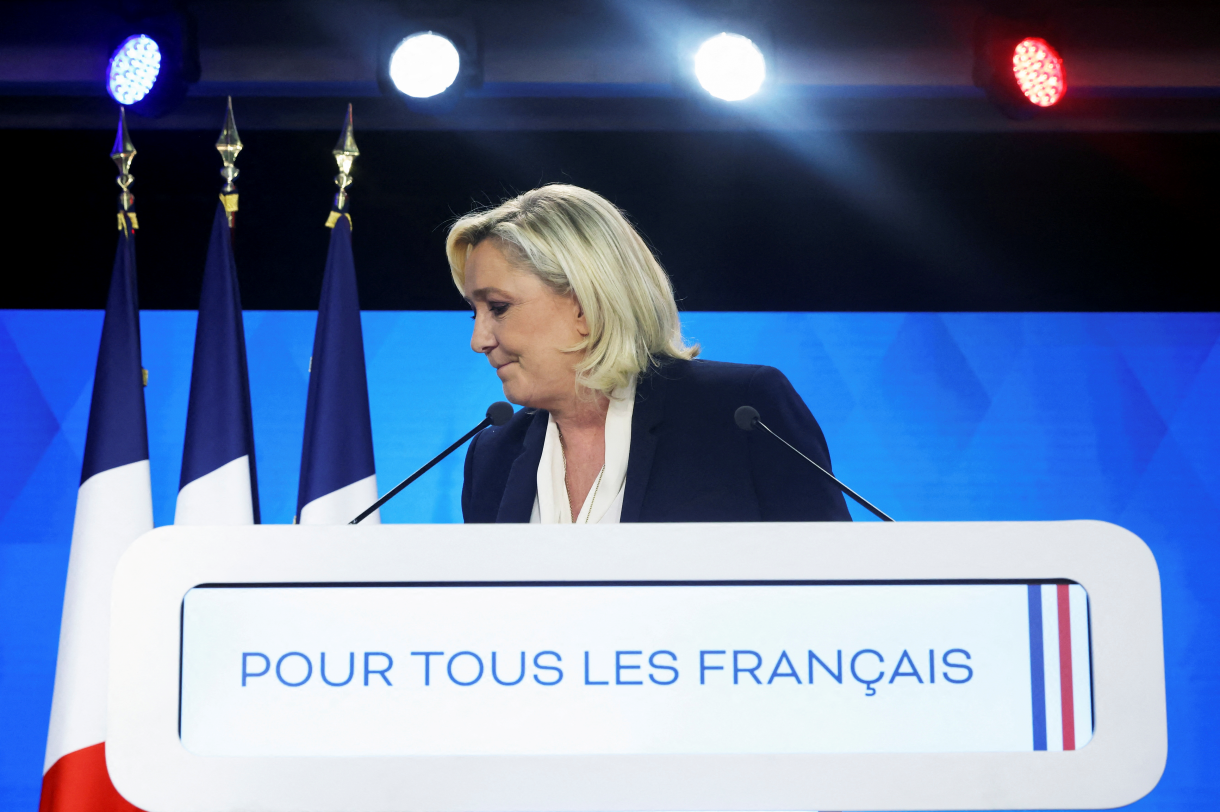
(931, 416)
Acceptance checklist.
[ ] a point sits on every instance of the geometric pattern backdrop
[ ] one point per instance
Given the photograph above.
(930, 416)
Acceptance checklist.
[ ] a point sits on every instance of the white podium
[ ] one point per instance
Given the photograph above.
(637, 667)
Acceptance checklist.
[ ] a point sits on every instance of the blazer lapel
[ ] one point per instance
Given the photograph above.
(517, 503)
(645, 418)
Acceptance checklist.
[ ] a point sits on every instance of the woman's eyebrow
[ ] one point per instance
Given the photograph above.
(482, 293)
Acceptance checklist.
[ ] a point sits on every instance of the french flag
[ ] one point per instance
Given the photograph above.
(113, 509)
(219, 485)
(338, 479)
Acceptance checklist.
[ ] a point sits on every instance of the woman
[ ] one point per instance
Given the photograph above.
(620, 423)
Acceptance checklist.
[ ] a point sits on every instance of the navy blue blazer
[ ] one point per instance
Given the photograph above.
(689, 462)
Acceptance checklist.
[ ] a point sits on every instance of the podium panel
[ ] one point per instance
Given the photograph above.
(637, 667)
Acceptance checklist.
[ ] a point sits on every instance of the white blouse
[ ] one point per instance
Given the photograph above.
(604, 503)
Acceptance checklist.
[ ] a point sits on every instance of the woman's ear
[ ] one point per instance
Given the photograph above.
(582, 324)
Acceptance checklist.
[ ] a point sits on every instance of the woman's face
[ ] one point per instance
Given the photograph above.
(523, 327)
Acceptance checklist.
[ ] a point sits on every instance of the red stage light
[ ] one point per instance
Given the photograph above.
(1038, 69)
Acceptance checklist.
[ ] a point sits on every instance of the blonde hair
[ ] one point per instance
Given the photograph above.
(578, 242)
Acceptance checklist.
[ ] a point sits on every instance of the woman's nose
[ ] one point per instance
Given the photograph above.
(482, 339)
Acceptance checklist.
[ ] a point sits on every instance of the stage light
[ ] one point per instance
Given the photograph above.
(730, 67)
(154, 57)
(424, 65)
(1016, 65)
(133, 69)
(1039, 71)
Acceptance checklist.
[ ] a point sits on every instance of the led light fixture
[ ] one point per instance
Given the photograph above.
(424, 65)
(133, 70)
(1038, 70)
(730, 67)
(1016, 65)
(154, 57)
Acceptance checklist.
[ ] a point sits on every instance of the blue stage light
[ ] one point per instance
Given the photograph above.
(424, 65)
(133, 69)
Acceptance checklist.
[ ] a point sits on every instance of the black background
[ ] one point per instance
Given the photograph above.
(742, 221)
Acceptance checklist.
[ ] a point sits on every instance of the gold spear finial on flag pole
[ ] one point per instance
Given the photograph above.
(122, 153)
(228, 145)
(345, 153)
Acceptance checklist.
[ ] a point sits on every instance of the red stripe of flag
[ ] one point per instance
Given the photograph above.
(79, 782)
(1065, 669)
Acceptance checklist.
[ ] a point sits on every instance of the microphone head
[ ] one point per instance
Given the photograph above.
(500, 412)
(745, 417)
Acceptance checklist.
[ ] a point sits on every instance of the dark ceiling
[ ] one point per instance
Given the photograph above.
(873, 175)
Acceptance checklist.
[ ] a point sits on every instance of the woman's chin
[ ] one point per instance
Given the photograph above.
(514, 393)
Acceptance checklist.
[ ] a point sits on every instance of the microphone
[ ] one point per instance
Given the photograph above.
(747, 419)
(498, 414)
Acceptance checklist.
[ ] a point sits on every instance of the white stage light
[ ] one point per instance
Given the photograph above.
(133, 69)
(424, 65)
(730, 67)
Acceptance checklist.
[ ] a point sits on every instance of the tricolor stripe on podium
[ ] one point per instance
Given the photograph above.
(1060, 673)
(219, 485)
(113, 509)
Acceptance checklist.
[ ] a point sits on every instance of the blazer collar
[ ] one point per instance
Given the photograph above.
(647, 415)
(646, 418)
(517, 503)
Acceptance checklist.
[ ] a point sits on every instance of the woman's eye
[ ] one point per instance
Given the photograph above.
(496, 309)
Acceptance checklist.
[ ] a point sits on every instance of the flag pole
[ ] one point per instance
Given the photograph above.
(345, 153)
(219, 481)
(123, 153)
(113, 509)
(228, 145)
(338, 474)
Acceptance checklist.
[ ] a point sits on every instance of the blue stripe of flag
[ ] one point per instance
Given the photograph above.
(118, 429)
(219, 422)
(338, 448)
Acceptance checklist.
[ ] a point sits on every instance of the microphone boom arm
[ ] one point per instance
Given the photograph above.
(497, 415)
(747, 418)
